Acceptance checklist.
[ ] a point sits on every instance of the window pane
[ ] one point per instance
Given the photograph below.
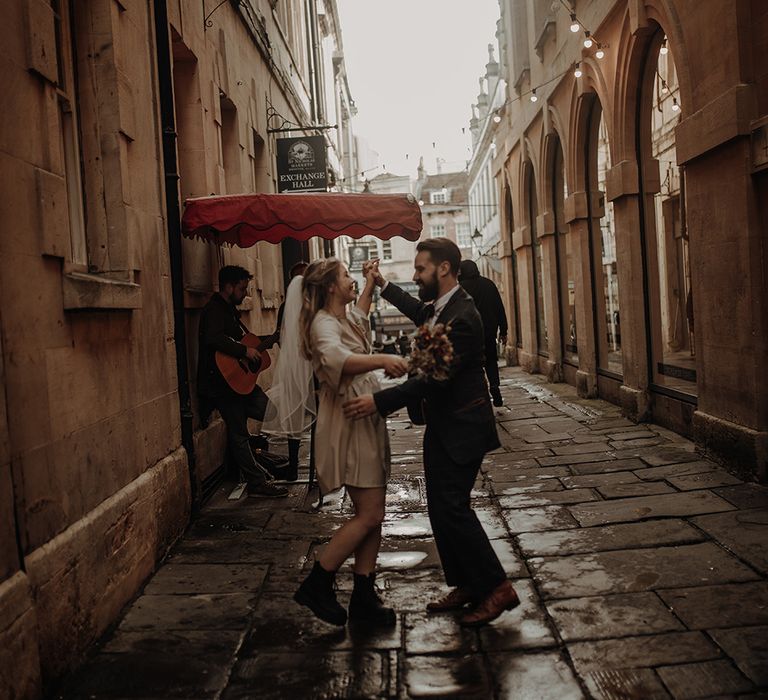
(609, 321)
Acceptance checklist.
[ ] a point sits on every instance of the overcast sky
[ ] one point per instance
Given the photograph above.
(413, 68)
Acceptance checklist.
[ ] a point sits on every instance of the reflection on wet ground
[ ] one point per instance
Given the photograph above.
(642, 568)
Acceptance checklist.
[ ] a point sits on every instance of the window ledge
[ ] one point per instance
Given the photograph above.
(84, 291)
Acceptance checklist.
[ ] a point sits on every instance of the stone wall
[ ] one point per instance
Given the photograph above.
(694, 66)
(94, 483)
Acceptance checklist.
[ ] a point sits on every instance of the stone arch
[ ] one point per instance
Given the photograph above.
(639, 31)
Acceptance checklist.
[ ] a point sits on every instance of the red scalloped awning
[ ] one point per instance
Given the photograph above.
(245, 219)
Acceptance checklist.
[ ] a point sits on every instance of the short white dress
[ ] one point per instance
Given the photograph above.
(351, 453)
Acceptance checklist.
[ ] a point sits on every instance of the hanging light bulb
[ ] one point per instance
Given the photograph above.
(600, 53)
(533, 95)
(575, 26)
(587, 39)
(577, 71)
(496, 118)
(675, 106)
(664, 48)
(664, 87)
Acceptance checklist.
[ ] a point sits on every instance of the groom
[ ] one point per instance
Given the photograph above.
(460, 430)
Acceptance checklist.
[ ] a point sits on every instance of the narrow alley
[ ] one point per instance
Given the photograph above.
(642, 567)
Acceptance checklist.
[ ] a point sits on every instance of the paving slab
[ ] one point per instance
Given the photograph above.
(706, 480)
(748, 648)
(609, 537)
(646, 507)
(193, 612)
(545, 675)
(551, 498)
(604, 617)
(658, 456)
(427, 633)
(151, 675)
(513, 473)
(638, 442)
(225, 523)
(513, 565)
(530, 485)
(709, 607)
(537, 519)
(589, 458)
(525, 627)
(704, 679)
(280, 624)
(280, 675)
(405, 554)
(630, 570)
(447, 677)
(745, 496)
(492, 522)
(685, 469)
(581, 448)
(206, 578)
(651, 488)
(599, 480)
(744, 532)
(244, 549)
(646, 651)
(406, 525)
(610, 465)
(632, 435)
(610, 684)
(411, 590)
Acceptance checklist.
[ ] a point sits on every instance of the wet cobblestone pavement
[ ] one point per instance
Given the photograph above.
(642, 568)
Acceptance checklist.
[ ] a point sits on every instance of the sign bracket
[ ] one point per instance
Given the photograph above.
(281, 125)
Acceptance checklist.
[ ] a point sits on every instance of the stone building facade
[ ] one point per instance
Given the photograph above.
(120, 109)
(631, 174)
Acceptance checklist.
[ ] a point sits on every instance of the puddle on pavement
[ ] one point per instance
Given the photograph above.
(400, 560)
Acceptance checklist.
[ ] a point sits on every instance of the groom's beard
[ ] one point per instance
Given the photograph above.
(428, 291)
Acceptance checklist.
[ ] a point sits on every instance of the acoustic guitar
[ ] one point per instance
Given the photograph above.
(241, 373)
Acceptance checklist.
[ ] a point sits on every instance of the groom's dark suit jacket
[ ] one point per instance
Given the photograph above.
(458, 410)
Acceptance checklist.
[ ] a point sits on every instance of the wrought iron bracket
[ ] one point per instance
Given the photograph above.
(280, 124)
(207, 21)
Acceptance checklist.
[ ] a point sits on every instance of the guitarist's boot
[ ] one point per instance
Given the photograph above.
(292, 471)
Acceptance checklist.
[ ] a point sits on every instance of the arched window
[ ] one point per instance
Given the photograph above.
(510, 219)
(605, 279)
(566, 260)
(542, 340)
(668, 278)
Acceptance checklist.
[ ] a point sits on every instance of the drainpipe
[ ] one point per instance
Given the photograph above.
(173, 218)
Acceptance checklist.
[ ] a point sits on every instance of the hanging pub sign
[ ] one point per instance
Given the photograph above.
(358, 254)
(301, 165)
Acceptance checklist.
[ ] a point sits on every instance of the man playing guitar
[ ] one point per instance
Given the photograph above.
(222, 331)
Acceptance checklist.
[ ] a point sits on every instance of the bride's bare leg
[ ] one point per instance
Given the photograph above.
(367, 552)
(369, 514)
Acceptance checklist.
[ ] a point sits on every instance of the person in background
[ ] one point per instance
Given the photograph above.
(488, 302)
(220, 331)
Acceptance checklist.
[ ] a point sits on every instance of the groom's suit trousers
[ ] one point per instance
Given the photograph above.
(466, 555)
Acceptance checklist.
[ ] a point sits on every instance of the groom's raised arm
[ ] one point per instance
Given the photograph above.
(410, 306)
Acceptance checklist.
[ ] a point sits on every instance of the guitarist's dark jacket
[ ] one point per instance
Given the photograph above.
(220, 329)
(457, 410)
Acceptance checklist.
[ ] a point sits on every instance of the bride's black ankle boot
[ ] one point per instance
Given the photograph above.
(316, 592)
(365, 605)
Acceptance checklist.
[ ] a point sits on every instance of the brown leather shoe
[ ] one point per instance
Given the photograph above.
(501, 598)
(454, 600)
